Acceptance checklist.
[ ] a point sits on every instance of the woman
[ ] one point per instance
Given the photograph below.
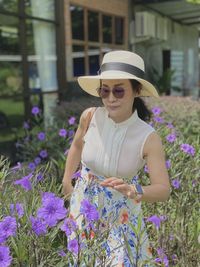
(113, 146)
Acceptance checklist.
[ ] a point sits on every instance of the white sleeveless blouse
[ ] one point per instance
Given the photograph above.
(115, 149)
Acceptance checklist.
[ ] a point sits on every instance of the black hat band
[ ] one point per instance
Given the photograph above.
(122, 67)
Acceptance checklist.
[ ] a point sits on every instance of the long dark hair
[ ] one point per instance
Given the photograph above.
(143, 112)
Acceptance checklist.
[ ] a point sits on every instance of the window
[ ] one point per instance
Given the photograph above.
(77, 18)
(78, 60)
(107, 29)
(93, 34)
(93, 26)
(28, 33)
(9, 5)
(40, 9)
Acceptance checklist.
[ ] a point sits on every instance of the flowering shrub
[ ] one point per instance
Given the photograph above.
(43, 143)
(36, 228)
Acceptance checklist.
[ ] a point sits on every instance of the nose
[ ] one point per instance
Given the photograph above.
(111, 97)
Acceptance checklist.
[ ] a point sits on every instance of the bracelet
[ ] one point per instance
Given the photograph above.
(132, 194)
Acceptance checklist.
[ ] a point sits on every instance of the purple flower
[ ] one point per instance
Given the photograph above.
(71, 120)
(26, 125)
(5, 258)
(71, 133)
(162, 257)
(38, 226)
(89, 211)
(76, 174)
(62, 132)
(170, 125)
(146, 169)
(41, 136)
(35, 110)
(43, 154)
(194, 183)
(69, 226)
(39, 177)
(25, 182)
(37, 160)
(176, 183)
(168, 164)
(61, 253)
(73, 246)
(188, 149)
(156, 111)
(171, 138)
(158, 119)
(8, 228)
(52, 209)
(17, 209)
(32, 166)
(155, 220)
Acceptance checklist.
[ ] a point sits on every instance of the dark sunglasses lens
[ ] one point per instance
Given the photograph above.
(103, 92)
(118, 92)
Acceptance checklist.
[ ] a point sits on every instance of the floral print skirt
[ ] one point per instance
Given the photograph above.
(127, 243)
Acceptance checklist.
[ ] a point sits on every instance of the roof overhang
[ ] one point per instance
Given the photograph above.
(181, 11)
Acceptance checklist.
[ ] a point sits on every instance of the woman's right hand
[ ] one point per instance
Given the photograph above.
(67, 188)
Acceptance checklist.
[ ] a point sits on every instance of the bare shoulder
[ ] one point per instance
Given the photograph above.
(85, 116)
(153, 144)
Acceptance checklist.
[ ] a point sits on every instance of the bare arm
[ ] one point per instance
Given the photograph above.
(74, 153)
(159, 189)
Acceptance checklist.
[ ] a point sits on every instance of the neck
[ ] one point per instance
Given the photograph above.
(121, 118)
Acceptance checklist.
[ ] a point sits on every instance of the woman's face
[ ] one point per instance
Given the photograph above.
(119, 109)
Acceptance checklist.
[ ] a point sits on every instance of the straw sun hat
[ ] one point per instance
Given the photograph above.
(119, 65)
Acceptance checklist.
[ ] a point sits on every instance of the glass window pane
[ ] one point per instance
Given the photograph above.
(78, 60)
(119, 30)
(42, 57)
(107, 29)
(93, 54)
(77, 20)
(9, 5)
(93, 26)
(43, 9)
(9, 38)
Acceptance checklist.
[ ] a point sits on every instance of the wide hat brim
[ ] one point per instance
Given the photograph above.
(90, 83)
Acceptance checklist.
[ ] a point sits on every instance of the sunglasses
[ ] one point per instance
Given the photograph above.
(104, 92)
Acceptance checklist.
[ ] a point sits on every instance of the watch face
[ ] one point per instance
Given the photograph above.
(139, 189)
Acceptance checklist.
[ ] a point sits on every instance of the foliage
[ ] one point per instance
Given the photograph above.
(172, 226)
(194, 1)
(163, 82)
(10, 81)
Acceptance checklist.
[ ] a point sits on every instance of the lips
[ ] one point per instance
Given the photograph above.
(113, 107)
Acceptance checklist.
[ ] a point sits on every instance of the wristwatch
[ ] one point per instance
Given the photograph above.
(139, 191)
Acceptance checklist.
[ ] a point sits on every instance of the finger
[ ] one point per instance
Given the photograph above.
(122, 187)
(112, 180)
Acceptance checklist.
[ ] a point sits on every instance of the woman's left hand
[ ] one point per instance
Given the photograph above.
(119, 185)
